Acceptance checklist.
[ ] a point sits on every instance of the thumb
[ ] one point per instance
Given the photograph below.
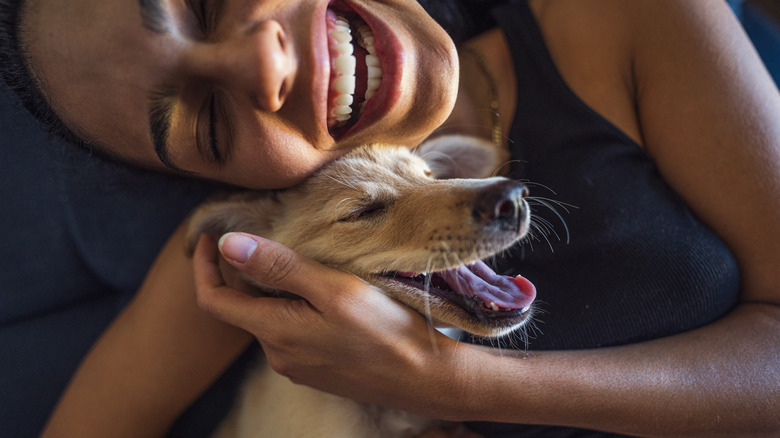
(278, 266)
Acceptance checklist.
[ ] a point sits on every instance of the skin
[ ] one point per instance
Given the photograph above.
(700, 103)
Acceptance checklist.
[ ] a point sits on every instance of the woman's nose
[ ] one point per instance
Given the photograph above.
(259, 62)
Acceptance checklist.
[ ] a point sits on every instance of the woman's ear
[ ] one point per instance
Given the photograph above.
(460, 156)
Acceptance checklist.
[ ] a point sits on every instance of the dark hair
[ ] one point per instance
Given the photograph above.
(462, 19)
(18, 76)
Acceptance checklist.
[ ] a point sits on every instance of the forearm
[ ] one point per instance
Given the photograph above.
(154, 360)
(125, 387)
(720, 380)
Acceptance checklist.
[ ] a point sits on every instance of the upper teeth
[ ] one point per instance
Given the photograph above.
(345, 66)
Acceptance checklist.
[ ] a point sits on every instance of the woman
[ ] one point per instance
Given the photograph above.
(654, 118)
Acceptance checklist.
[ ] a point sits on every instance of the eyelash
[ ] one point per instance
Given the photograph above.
(212, 133)
(207, 129)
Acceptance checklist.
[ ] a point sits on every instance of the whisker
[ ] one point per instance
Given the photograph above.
(544, 223)
(343, 182)
(536, 184)
(434, 155)
(344, 200)
(547, 226)
(564, 205)
(544, 231)
(546, 202)
(428, 315)
(506, 164)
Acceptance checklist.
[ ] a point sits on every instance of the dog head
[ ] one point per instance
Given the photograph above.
(409, 222)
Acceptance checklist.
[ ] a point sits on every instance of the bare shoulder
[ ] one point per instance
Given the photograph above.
(709, 113)
(706, 109)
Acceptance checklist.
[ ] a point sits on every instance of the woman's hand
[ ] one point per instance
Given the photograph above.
(343, 337)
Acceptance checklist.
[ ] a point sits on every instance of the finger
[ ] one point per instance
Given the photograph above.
(210, 286)
(205, 263)
(222, 301)
(275, 265)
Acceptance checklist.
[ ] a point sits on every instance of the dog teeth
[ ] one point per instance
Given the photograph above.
(525, 309)
(494, 306)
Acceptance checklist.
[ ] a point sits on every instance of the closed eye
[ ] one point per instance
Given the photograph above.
(213, 130)
(363, 213)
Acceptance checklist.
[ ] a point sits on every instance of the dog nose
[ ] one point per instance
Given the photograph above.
(502, 204)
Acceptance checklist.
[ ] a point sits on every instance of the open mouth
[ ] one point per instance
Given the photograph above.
(476, 289)
(356, 71)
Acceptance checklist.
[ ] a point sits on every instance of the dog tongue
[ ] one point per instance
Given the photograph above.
(495, 291)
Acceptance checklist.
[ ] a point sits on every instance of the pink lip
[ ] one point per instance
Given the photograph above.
(390, 55)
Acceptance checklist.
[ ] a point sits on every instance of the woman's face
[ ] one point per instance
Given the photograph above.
(248, 92)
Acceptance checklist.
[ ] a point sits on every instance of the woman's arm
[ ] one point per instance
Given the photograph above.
(155, 359)
(708, 113)
(720, 380)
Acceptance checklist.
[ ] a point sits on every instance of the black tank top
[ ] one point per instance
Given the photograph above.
(636, 263)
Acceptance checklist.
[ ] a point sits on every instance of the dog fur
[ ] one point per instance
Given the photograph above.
(385, 214)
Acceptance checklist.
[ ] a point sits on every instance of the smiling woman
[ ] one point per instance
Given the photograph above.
(646, 115)
(231, 90)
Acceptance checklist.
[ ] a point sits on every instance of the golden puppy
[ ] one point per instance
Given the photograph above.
(416, 224)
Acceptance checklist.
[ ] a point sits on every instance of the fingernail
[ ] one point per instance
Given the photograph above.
(237, 247)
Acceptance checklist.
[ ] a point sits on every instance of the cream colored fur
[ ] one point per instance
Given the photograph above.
(380, 209)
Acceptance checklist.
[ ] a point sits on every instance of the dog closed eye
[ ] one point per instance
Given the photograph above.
(367, 212)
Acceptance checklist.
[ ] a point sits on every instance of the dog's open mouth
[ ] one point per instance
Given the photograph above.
(476, 289)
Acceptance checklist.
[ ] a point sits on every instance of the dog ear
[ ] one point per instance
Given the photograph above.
(460, 156)
(249, 212)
